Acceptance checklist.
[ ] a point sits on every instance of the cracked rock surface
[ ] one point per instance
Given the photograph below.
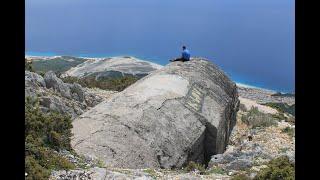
(55, 95)
(182, 112)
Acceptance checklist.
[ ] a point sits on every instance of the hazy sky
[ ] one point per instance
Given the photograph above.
(252, 40)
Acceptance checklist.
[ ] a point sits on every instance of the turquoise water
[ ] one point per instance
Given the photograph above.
(252, 41)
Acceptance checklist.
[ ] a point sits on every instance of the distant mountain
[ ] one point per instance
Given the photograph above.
(98, 67)
(58, 64)
(115, 66)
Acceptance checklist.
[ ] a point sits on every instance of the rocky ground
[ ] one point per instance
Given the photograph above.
(263, 95)
(248, 151)
(55, 95)
(241, 156)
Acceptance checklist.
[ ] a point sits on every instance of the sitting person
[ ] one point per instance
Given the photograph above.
(185, 55)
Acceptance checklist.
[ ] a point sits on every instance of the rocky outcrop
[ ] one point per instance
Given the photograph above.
(263, 95)
(55, 95)
(182, 112)
(252, 154)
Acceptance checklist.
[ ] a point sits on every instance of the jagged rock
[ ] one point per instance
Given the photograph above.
(92, 173)
(240, 164)
(136, 176)
(55, 95)
(77, 92)
(182, 112)
(33, 84)
(34, 78)
(52, 81)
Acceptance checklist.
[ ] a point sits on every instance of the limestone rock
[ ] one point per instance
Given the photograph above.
(55, 95)
(34, 78)
(182, 112)
(52, 81)
(77, 92)
(92, 173)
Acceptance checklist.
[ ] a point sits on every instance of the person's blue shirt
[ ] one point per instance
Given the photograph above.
(186, 54)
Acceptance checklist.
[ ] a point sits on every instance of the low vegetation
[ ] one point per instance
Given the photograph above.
(151, 172)
(113, 84)
(58, 64)
(215, 170)
(28, 66)
(283, 107)
(45, 135)
(193, 166)
(255, 118)
(283, 94)
(240, 177)
(290, 131)
(279, 168)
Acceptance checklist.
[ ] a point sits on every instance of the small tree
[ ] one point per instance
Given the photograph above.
(28, 65)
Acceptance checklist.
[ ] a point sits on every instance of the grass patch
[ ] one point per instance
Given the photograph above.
(151, 172)
(193, 166)
(100, 164)
(255, 118)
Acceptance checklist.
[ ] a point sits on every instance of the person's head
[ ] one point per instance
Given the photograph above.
(183, 47)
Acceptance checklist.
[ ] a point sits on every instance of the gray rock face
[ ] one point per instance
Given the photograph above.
(52, 81)
(55, 95)
(182, 112)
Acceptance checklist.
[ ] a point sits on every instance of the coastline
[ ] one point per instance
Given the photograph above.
(49, 55)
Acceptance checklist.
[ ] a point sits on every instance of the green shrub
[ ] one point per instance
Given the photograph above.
(28, 66)
(289, 131)
(279, 94)
(57, 65)
(35, 170)
(291, 120)
(192, 166)
(279, 168)
(45, 134)
(240, 177)
(255, 118)
(110, 83)
(151, 172)
(282, 107)
(279, 116)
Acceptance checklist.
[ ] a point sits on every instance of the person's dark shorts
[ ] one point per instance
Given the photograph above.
(180, 59)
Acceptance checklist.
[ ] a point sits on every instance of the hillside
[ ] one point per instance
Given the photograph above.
(169, 119)
(98, 67)
(58, 64)
(108, 66)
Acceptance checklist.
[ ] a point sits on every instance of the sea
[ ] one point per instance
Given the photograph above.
(252, 41)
